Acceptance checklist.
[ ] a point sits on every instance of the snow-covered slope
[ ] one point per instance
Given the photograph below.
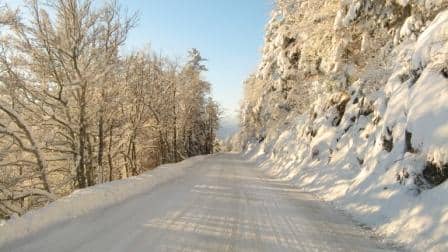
(366, 125)
(93, 198)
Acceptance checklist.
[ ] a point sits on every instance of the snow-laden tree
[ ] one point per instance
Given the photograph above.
(314, 49)
(67, 60)
(193, 106)
(74, 112)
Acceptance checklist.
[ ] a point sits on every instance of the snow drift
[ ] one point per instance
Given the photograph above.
(86, 200)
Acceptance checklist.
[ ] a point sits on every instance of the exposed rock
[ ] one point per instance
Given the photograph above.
(408, 142)
(434, 173)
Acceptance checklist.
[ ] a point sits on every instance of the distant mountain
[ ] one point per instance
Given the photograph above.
(228, 126)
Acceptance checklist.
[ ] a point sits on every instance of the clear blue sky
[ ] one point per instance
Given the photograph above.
(229, 33)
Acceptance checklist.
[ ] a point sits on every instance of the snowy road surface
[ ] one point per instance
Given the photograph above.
(223, 203)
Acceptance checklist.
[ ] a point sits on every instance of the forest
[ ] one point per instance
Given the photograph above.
(76, 111)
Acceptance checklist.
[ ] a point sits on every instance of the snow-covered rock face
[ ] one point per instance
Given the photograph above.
(410, 73)
(367, 122)
(417, 93)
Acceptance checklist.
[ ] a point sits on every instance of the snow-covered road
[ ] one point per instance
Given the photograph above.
(223, 203)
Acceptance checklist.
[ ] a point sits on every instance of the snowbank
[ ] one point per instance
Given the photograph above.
(83, 201)
(381, 157)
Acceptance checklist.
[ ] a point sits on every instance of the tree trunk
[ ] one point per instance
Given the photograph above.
(174, 149)
(35, 149)
(109, 154)
(101, 146)
(90, 168)
(82, 138)
(134, 159)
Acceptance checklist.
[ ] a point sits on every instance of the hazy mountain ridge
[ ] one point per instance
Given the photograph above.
(350, 102)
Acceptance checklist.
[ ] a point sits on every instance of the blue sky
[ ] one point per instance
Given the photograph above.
(229, 33)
